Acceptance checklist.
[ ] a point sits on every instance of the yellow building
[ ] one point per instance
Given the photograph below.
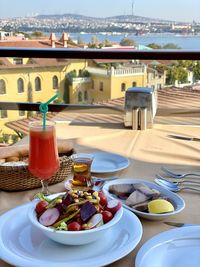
(79, 81)
(111, 78)
(106, 80)
(34, 80)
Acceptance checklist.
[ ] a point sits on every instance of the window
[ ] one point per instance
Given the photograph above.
(21, 113)
(55, 82)
(92, 84)
(37, 84)
(101, 86)
(86, 95)
(134, 84)
(20, 85)
(123, 87)
(2, 87)
(17, 60)
(3, 114)
(80, 97)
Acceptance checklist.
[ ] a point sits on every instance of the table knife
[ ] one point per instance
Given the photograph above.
(179, 224)
(184, 137)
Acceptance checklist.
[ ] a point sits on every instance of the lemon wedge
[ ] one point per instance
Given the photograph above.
(80, 168)
(160, 206)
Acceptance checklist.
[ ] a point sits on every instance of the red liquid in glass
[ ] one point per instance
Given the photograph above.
(43, 154)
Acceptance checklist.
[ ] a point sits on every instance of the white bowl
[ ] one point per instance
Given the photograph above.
(177, 201)
(74, 237)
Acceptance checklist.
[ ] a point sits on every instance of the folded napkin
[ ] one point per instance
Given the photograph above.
(17, 152)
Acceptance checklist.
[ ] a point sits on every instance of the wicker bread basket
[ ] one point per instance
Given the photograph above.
(17, 178)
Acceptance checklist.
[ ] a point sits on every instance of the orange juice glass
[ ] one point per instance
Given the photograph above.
(43, 152)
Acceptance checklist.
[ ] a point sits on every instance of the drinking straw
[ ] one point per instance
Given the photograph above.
(44, 108)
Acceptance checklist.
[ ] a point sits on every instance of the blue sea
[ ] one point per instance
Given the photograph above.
(182, 41)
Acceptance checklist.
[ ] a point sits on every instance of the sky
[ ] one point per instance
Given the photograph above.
(179, 10)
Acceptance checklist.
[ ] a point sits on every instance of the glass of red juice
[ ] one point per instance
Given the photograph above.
(43, 152)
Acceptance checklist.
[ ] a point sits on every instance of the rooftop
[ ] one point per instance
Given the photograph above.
(178, 106)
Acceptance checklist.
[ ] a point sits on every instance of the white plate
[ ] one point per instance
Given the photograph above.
(108, 162)
(178, 247)
(177, 201)
(24, 245)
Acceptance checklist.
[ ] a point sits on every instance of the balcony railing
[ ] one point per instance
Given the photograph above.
(88, 54)
(100, 53)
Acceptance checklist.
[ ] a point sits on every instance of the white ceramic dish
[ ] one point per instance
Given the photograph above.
(104, 162)
(24, 245)
(177, 201)
(73, 237)
(178, 247)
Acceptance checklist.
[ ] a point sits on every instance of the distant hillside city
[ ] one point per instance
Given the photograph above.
(83, 24)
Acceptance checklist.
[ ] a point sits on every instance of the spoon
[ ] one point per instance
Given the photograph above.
(174, 187)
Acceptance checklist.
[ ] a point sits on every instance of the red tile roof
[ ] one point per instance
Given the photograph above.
(36, 43)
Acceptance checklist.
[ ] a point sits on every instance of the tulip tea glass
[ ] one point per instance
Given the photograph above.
(82, 169)
(43, 152)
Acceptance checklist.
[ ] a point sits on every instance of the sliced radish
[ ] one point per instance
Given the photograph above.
(113, 206)
(49, 217)
(95, 221)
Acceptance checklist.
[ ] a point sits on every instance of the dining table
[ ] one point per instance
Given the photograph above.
(147, 150)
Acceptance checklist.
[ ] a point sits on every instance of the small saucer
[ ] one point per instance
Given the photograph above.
(69, 186)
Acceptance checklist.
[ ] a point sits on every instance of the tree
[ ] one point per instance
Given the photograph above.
(170, 46)
(107, 43)
(196, 70)
(92, 45)
(166, 46)
(176, 73)
(37, 34)
(185, 63)
(154, 46)
(127, 42)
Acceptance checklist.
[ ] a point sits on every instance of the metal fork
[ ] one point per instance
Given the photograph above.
(99, 182)
(174, 187)
(178, 175)
(177, 182)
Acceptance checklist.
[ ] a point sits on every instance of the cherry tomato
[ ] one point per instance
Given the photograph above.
(74, 226)
(41, 206)
(107, 216)
(103, 199)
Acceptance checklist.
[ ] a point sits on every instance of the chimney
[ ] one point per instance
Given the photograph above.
(64, 39)
(53, 40)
